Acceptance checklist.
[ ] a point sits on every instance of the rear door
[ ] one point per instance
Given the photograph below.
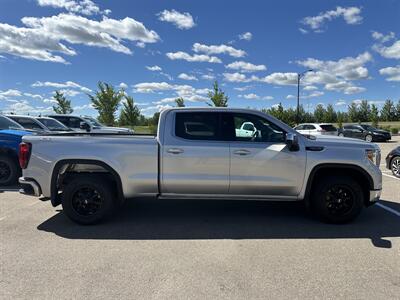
(195, 159)
(262, 165)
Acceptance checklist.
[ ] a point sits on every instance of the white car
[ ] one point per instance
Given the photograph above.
(317, 129)
(247, 129)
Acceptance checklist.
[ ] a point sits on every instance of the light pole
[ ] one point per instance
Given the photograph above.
(299, 76)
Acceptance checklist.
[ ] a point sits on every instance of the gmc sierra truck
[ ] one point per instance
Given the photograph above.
(198, 154)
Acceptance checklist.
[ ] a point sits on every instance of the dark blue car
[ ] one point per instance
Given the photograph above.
(11, 134)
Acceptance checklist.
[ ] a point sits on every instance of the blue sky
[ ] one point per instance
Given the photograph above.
(159, 50)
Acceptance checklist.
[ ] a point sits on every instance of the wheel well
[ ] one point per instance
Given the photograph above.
(9, 152)
(358, 174)
(66, 170)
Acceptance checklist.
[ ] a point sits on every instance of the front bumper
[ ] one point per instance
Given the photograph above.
(29, 187)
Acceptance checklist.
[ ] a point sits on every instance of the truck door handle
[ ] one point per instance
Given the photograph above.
(242, 152)
(175, 151)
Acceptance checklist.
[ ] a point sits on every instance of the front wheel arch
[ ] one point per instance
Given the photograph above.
(319, 171)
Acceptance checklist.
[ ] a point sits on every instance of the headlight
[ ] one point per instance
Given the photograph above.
(374, 156)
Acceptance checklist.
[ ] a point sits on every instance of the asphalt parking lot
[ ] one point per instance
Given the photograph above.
(201, 249)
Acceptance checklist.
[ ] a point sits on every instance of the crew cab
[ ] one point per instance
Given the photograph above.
(197, 154)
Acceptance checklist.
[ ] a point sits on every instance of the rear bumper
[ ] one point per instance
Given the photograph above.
(29, 187)
(374, 196)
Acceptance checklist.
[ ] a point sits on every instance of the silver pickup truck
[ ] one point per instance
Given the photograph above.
(197, 154)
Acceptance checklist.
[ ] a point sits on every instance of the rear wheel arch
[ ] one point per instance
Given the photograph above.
(60, 165)
(320, 171)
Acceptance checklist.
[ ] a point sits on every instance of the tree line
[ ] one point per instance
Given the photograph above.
(107, 100)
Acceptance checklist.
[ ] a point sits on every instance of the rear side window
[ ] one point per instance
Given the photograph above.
(328, 127)
(309, 127)
(197, 126)
(28, 123)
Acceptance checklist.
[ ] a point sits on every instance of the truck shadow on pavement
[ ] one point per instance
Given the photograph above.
(185, 220)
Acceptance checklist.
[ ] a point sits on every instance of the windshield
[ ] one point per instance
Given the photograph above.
(52, 124)
(93, 122)
(6, 123)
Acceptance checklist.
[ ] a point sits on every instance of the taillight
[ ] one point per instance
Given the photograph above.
(24, 154)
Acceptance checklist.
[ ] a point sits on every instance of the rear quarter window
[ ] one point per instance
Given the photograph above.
(197, 126)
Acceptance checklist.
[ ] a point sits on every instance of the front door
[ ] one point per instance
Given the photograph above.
(195, 160)
(262, 165)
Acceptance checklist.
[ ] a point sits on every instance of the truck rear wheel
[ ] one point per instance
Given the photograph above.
(87, 199)
(9, 170)
(337, 199)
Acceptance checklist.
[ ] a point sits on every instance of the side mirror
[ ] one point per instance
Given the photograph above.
(84, 126)
(292, 142)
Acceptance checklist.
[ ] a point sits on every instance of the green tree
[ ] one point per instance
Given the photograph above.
(374, 115)
(388, 111)
(319, 113)
(180, 102)
(341, 118)
(330, 114)
(352, 112)
(398, 110)
(364, 111)
(63, 105)
(217, 97)
(130, 112)
(106, 101)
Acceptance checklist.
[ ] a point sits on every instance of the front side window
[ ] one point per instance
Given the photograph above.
(263, 131)
(74, 122)
(197, 125)
(6, 123)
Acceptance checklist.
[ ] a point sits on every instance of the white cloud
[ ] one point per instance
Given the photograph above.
(70, 93)
(85, 7)
(150, 87)
(243, 88)
(10, 93)
(251, 96)
(235, 77)
(24, 107)
(268, 98)
(314, 94)
(34, 96)
(193, 58)
(42, 36)
(351, 15)
(350, 68)
(340, 102)
(123, 85)
(246, 36)
(180, 20)
(218, 49)
(208, 76)
(83, 107)
(310, 88)
(185, 76)
(382, 37)
(290, 96)
(279, 78)
(392, 51)
(60, 85)
(392, 73)
(345, 87)
(245, 66)
(154, 68)
(303, 31)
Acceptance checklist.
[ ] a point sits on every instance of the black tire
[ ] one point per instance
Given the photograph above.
(87, 199)
(9, 170)
(337, 199)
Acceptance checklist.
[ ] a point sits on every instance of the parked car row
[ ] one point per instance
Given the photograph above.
(358, 131)
(14, 127)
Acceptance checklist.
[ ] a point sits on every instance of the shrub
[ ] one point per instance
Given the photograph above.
(394, 130)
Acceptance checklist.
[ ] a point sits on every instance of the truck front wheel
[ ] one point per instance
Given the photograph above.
(337, 199)
(87, 199)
